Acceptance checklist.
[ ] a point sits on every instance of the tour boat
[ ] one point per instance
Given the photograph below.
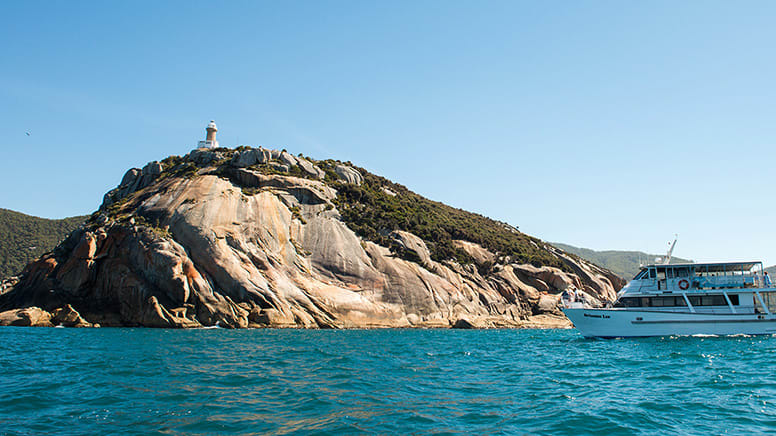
(685, 299)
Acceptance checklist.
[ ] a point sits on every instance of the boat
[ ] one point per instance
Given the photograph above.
(666, 299)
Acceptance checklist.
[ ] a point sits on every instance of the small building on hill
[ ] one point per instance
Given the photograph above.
(210, 136)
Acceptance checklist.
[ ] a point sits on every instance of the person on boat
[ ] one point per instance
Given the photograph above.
(766, 280)
(756, 280)
(566, 298)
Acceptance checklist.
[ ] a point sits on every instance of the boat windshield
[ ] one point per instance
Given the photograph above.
(641, 274)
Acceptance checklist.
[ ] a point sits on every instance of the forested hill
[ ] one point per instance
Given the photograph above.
(24, 238)
(623, 263)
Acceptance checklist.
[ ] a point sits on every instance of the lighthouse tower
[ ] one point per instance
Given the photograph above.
(210, 138)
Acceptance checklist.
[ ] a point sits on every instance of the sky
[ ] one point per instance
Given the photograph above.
(601, 124)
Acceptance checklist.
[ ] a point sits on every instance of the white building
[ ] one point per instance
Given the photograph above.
(210, 137)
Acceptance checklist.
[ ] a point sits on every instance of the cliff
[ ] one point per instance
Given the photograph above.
(262, 238)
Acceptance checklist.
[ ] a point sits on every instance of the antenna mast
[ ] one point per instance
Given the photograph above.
(667, 259)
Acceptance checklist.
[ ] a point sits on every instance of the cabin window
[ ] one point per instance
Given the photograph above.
(651, 302)
(628, 302)
(713, 300)
(708, 300)
(652, 273)
(670, 273)
(683, 272)
(641, 275)
(674, 301)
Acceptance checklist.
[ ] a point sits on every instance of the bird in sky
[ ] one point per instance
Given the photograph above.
(27, 133)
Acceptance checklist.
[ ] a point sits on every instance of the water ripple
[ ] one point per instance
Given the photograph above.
(208, 382)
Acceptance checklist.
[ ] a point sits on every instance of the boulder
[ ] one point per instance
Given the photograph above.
(414, 244)
(130, 183)
(288, 159)
(155, 315)
(265, 155)
(245, 158)
(130, 177)
(27, 317)
(310, 169)
(68, 317)
(348, 174)
(270, 318)
(203, 156)
(476, 251)
(548, 304)
(152, 169)
(279, 167)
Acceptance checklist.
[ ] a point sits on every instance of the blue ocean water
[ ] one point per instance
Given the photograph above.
(148, 381)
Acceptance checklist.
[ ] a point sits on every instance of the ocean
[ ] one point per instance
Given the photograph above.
(236, 382)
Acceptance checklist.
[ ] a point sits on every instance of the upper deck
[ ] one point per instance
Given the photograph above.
(695, 277)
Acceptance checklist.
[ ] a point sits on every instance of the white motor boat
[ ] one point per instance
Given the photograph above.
(685, 299)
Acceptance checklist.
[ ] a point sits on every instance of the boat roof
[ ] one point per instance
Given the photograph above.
(714, 267)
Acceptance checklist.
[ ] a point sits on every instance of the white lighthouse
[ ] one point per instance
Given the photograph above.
(210, 137)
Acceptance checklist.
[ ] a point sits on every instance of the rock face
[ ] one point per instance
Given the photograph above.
(134, 180)
(309, 168)
(235, 247)
(204, 156)
(348, 174)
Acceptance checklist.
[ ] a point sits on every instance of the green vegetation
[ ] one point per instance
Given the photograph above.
(376, 208)
(623, 263)
(297, 214)
(24, 238)
(175, 166)
(373, 213)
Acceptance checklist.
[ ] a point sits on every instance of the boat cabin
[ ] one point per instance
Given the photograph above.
(698, 276)
(701, 287)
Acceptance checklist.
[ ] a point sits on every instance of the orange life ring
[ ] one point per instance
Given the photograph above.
(684, 284)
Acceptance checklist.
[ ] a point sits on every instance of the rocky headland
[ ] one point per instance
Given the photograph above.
(252, 237)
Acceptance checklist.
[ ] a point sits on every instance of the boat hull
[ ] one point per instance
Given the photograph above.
(619, 323)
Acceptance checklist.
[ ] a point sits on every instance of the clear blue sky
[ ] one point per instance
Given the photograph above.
(608, 125)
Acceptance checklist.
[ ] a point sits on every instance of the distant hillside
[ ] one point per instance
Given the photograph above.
(24, 238)
(623, 263)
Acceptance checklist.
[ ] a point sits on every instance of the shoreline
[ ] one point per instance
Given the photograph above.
(69, 318)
